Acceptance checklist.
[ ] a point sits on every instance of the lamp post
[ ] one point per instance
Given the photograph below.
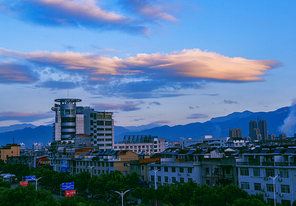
(155, 184)
(122, 194)
(91, 167)
(273, 180)
(37, 181)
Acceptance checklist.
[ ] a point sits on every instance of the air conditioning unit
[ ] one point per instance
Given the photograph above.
(280, 179)
(262, 189)
(266, 178)
(188, 174)
(281, 195)
(179, 174)
(266, 194)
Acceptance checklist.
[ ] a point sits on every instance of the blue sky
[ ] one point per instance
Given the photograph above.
(150, 62)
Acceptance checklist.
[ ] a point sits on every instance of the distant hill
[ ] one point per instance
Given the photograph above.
(28, 136)
(217, 127)
(15, 127)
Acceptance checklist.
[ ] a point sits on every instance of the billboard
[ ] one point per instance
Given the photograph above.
(65, 166)
(24, 184)
(70, 193)
(30, 178)
(68, 186)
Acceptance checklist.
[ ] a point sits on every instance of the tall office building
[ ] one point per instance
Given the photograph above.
(263, 129)
(235, 133)
(252, 129)
(71, 120)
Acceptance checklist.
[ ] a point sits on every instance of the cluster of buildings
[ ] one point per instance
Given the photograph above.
(84, 141)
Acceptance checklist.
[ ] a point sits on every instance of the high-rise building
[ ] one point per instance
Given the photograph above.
(252, 131)
(235, 133)
(263, 129)
(71, 120)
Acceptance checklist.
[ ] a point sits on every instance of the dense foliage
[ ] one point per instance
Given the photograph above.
(186, 194)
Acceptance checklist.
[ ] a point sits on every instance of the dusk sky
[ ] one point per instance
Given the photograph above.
(152, 62)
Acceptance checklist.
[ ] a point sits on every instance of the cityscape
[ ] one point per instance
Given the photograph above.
(147, 102)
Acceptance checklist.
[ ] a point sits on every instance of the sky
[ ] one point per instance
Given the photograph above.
(151, 62)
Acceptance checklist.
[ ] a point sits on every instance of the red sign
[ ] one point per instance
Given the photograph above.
(24, 184)
(70, 193)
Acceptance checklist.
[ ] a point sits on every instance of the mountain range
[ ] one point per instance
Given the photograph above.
(217, 127)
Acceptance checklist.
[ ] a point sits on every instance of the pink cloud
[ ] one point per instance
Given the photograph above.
(192, 63)
(122, 107)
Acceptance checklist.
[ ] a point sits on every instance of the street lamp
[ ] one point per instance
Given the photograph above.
(273, 180)
(155, 184)
(91, 167)
(122, 194)
(37, 181)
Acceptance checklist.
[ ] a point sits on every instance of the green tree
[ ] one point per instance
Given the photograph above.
(61, 177)
(81, 181)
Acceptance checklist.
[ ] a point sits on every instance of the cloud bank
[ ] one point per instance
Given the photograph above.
(24, 117)
(86, 13)
(141, 76)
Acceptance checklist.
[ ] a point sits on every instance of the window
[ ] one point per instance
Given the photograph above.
(181, 180)
(111, 164)
(158, 178)
(244, 171)
(181, 169)
(257, 186)
(190, 179)
(166, 169)
(173, 179)
(152, 177)
(108, 123)
(284, 173)
(207, 170)
(151, 168)
(189, 170)
(142, 167)
(245, 185)
(270, 172)
(285, 188)
(166, 178)
(100, 123)
(256, 172)
(269, 187)
(102, 164)
(173, 169)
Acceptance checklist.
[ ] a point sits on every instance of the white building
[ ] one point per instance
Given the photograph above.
(208, 139)
(71, 120)
(37, 146)
(141, 144)
(270, 171)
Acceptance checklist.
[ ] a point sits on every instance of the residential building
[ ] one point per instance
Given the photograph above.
(261, 170)
(9, 150)
(262, 124)
(141, 144)
(71, 120)
(235, 133)
(207, 139)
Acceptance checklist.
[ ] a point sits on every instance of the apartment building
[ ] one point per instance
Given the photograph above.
(141, 144)
(270, 171)
(10, 150)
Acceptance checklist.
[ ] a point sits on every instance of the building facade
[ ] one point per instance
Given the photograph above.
(71, 120)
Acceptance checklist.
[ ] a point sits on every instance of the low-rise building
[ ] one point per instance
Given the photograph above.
(9, 150)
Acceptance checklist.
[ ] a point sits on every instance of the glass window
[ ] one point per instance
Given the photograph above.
(257, 186)
(189, 170)
(256, 172)
(284, 173)
(166, 169)
(181, 180)
(285, 188)
(270, 172)
(181, 169)
(173, 179)
(244, 171)
(166, 179)
(269, 187)
(152, 177)
(245, 185)
(173, 169)
(158, 178)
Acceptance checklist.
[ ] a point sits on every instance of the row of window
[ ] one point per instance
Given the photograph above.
(173, 169)
(284, 173)
(94, 171)
(100, 116)
(101, 123)
(99, 164)
(166, 179)
(269, 187)
(133, 147)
